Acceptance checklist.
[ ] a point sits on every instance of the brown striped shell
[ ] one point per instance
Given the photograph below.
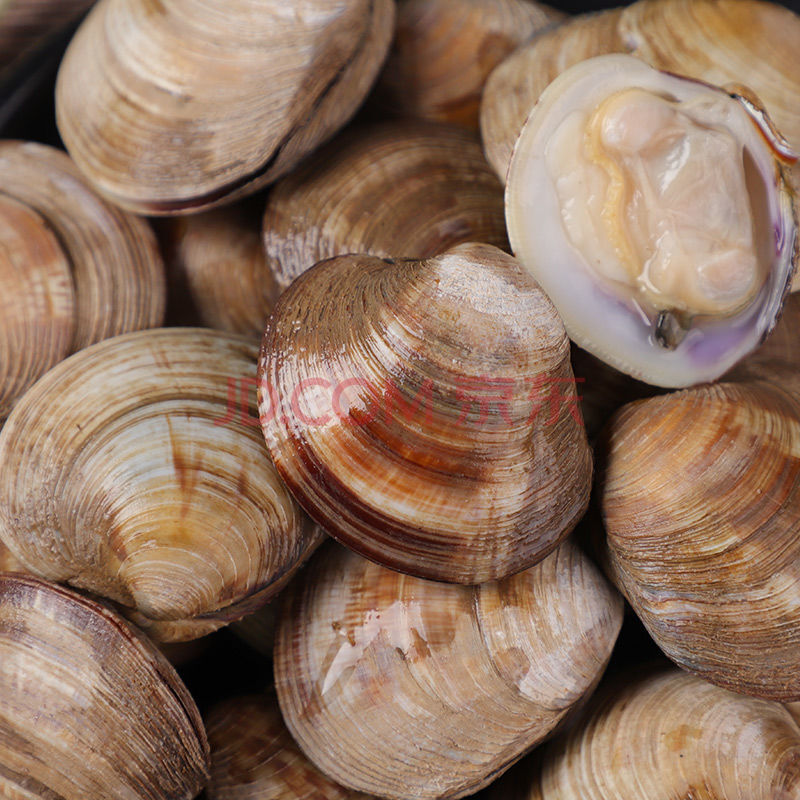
(73, 269)
(700, 494)
(424, 412)
(751, 42)
(445, 49)
(253, 756)
(195, 102)
(668, 735)
(402, 687)
(409, 189)
(91, 710)
(217, 269)
(136, 470)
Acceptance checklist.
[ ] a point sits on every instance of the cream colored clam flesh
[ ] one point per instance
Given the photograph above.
(652, 210)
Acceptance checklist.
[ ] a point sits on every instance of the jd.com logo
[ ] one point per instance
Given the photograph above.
(475, 401)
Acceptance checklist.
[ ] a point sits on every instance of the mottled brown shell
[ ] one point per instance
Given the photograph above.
(136, 470)
(700, 494)
(74, 270)
(751, 42)
(445, 49)
(668, 735)
(218, 270)
(253, 756)
(91, 710)
(402, 189)
(194, 102)
(424, 412)
(403, 687)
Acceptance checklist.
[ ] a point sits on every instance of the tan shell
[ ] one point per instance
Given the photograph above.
(514, 87)
(750, 42)
(91, 710)
(218, 271)
(669, 735)
(24, 24)
(424, 412)
(37, 301)
(794, 710)
(701, 504)
(253, 756)
(7, 561)
(409, 688)
(195, 102)
(445, 49)
(407, 189)
(95, 273)
(135, 469)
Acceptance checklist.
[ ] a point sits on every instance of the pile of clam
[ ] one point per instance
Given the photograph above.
(527, 371)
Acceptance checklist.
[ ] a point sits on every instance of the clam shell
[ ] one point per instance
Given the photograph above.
(403, 687)
(37, 301)
(670, 735)
(135, 469)
(406, 189)
(424, 412)
(701, 503)
(253, 756)
(89, 271)
(445, 49)
(192, 103)
(7, 561)
(218, 271)
(721, 42)
(91, 710)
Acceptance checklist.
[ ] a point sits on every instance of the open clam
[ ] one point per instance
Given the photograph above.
(653, 211)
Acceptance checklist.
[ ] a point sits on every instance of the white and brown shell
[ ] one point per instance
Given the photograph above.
(667, 734)
(424, 412)
(91, 710)
(73, 269)
(136, 470)
(701, 503)
(192, 103)
(402, 687)
(400, 189)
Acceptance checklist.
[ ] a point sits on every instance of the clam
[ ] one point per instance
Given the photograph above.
(424, 412)
(24, 24)
(668, 734)
(217, 269)
(721, 42)
(794, 710)
(7, 561)
(91, 710)
(136, 470)
(408, 189)
(253, 756)
(73, 269)
(656, 204)
(402, 687)
(445, 49)
(195, 102)
(701, 503)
